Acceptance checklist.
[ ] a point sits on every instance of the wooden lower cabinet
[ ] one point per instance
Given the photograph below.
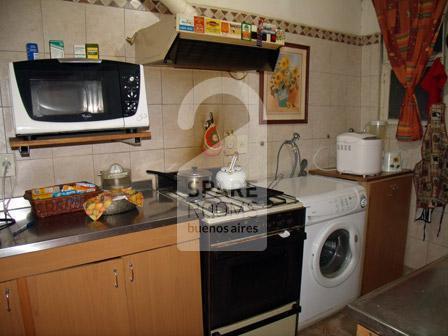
(84, 300)
(11, 320)
(155, 292)
(387, 223)
(164, 295)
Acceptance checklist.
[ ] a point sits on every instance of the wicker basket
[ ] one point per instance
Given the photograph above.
(59, 205)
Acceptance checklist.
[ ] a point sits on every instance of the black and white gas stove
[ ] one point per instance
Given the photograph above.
(251, 260)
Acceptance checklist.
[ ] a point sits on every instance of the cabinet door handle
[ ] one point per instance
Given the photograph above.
(115, 278)
(8, 304)
(131, 269)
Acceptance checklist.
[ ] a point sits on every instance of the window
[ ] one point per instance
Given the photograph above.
(392, 92)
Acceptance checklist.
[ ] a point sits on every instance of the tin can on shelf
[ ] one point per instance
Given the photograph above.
(246, 31)
(212, 26)
(199, 23)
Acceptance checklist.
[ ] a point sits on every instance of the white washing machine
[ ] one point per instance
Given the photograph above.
(334, 248)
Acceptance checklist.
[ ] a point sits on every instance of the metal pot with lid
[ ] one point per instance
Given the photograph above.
(192, 182)
(116, 177)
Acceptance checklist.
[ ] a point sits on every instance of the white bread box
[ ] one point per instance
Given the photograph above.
(358, 153)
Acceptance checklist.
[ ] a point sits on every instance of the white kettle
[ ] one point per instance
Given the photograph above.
(231, 177)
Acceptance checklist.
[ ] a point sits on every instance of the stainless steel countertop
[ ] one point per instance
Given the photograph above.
(416, 304)
(158, 210)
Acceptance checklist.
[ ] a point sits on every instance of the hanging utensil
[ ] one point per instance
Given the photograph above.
(212, 144)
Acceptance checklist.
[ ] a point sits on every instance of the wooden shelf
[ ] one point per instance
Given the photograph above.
(227, 40)
(23, 145)
(358, 178)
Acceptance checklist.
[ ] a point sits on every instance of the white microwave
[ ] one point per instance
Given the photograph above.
(77, 95)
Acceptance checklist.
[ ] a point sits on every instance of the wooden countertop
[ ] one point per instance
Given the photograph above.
(358, 178)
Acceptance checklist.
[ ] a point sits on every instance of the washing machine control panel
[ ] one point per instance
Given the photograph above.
(345, 203)
(338, 204)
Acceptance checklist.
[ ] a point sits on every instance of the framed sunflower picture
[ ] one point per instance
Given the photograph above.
(284, 92)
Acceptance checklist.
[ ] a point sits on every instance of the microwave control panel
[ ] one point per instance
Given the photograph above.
(130, 90)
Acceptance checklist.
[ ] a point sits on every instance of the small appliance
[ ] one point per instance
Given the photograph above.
(358, 153)
(77, 95)
(392, 162)
(114, 180)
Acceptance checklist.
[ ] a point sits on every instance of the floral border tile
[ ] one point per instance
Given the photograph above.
(218, 13)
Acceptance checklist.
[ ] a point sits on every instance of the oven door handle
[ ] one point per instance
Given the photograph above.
(294, 310)
(283, 234)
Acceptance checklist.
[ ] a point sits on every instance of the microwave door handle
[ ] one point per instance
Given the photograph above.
(94, 97)
(78, 60)
(85, 106)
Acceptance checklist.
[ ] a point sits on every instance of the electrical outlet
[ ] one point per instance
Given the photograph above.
(11, 170)
(230, 143)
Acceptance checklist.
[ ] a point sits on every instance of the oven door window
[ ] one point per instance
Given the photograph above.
(245, 284)
(71, 96)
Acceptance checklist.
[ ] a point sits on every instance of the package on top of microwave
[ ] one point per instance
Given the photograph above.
(56, 48)
(92, 51)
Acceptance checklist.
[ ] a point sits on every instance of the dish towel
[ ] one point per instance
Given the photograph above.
(431, 173)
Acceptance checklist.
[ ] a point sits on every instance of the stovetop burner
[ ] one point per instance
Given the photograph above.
(214, 205)
(220, 203)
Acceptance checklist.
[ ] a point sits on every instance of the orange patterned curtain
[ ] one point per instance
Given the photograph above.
(409, 29)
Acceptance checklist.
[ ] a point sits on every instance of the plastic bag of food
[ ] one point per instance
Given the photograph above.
(95, 206)
(133, 196)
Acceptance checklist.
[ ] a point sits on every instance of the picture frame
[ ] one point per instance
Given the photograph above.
(284, 92)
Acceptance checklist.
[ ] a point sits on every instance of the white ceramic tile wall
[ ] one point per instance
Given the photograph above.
(334, 96)
(369, 87)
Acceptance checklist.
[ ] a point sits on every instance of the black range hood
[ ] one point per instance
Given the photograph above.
(185, 53)
(162, 44)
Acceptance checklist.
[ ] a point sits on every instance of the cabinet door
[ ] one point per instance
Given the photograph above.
(11, 321)
(85, 300)
(164, 291)
(387, 225)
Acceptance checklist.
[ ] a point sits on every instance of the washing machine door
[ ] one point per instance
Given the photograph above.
(336, 253)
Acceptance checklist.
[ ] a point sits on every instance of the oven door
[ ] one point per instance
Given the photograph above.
(66, 95)
(247, 283)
